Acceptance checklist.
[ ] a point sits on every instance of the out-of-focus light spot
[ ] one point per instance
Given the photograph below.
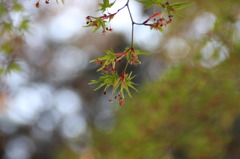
(177, 48)
(46, 122)
(24, 107)
(236, 36)
(26, 104)
(19, 148)
(67, 102)
(67, 63)
(73, 126)
(146, 38)
(202, 25)
(36, 38)
(213, 53)
(66, 24)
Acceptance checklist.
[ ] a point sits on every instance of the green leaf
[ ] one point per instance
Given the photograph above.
(115, 81)
(128, 83)
(97, 23)
(127, 90)
(6, 47)
(63, 1)
(149, 3)
(2, 71)
(13, 67)
(17, 7)
(3, 9)
(106, 80)
(181, 5)
(106, 4)
(24, 25)
(108, 59)
(6, 27)
(161, 29)
(141, 52)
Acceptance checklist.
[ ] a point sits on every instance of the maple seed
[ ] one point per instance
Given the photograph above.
(105, 93)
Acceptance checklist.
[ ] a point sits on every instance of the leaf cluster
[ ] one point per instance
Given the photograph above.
(110, 78)
(106, 81)
(97, 23)
(108, 59)
(118, 83)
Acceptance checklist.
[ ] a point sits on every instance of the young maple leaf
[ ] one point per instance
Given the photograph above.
(106, 4)
(149, 3)
(180, 5)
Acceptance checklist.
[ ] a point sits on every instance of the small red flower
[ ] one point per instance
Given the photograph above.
(98, 62)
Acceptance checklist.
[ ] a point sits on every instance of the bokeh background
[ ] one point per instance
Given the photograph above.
(188, 105)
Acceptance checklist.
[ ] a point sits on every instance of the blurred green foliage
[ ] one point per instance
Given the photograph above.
(189, 110)
(11, 35)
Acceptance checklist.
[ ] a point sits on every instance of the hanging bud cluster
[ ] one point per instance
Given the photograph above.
(100, 22)
(159, 20)
(110, 78)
